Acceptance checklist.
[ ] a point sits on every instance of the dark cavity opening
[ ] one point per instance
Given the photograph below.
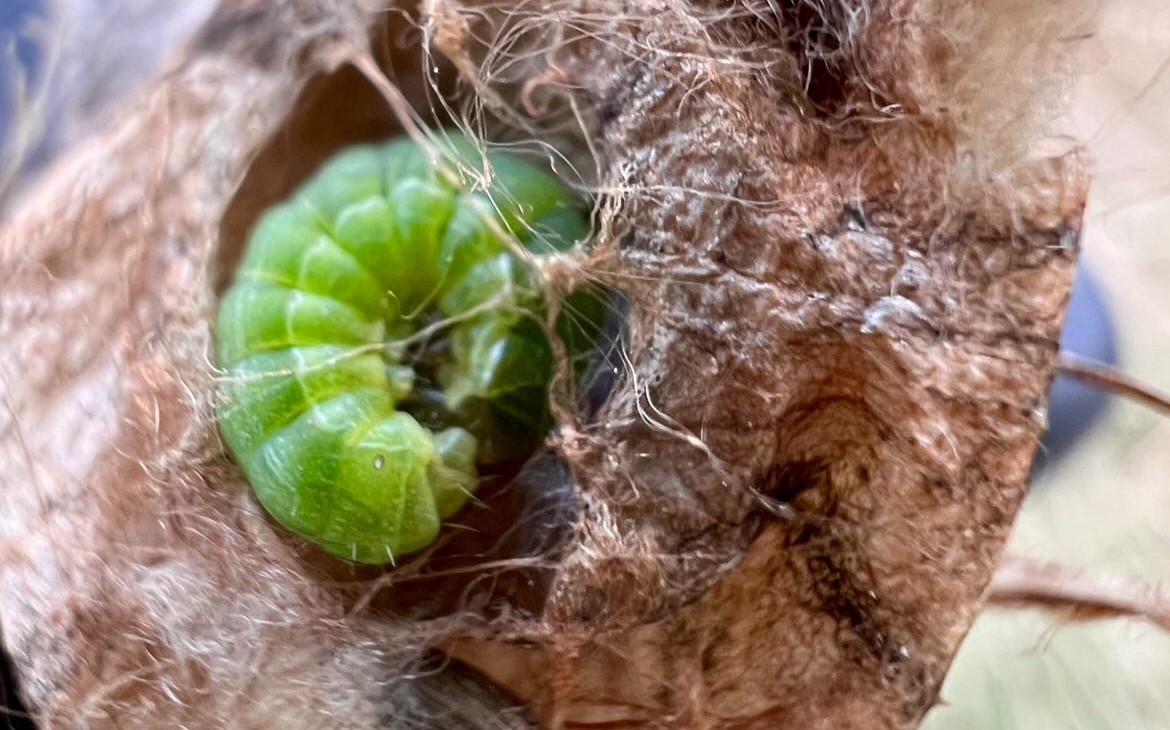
(521, 514)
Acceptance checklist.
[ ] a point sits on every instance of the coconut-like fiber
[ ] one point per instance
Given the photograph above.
(845, 241)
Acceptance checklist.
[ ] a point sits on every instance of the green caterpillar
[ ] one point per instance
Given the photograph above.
(382, 338)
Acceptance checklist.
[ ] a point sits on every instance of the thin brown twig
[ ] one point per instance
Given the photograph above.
(1107, 378)
(1084, 595)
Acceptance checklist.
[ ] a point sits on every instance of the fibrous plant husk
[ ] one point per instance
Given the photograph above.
(845, 261)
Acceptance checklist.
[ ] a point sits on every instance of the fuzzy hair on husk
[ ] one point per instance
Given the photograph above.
(843, 239)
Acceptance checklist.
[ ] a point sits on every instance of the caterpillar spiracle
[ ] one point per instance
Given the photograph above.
(382, 339)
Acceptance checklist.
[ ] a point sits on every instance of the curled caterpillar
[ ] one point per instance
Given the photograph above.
(382, 338)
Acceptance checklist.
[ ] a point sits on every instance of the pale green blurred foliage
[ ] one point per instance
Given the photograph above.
(1019, 671)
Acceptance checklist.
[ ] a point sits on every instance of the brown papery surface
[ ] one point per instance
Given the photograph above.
(846, 263)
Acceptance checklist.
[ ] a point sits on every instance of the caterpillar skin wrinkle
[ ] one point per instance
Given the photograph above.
(382, 338)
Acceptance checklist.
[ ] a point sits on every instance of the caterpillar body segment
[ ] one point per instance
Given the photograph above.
(383, 337)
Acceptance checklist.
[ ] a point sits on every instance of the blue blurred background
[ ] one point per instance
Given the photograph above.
(21, 65)
(1074, 408)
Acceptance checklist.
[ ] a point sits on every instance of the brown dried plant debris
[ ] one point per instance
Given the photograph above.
(1077, 594)
(846, 271)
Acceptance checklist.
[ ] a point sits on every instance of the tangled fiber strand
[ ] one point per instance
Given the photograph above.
(845, 268)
